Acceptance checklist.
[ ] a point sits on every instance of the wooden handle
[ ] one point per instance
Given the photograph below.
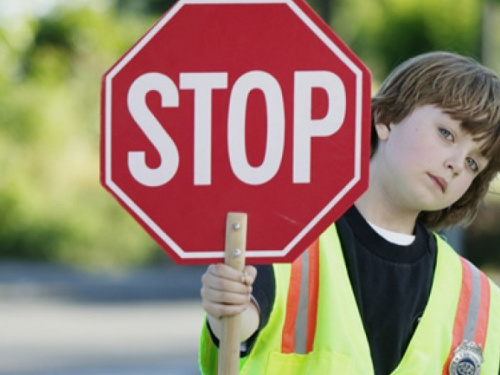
(229, 348)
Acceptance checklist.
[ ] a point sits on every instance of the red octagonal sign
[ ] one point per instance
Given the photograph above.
(245, 106)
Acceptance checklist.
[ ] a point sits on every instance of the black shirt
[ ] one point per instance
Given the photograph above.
(391, 284)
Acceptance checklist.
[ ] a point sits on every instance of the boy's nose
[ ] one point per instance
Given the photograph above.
(454, 164)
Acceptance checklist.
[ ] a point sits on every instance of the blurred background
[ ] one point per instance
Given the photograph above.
(83, 289)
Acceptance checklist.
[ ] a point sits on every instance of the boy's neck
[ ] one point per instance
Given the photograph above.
(385, 215)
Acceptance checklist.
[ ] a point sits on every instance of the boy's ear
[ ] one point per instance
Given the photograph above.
(383, 131)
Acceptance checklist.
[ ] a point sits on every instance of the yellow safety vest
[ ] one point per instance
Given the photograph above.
(315, 326)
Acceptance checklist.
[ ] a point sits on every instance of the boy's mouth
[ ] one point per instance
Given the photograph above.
(439, 181)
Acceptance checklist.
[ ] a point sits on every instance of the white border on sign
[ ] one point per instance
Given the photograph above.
(145, 218)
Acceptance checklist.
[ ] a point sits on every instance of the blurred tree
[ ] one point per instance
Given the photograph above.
(490, 47)
(52, 205)
(324, 8)
(386, 32)
(151, 7)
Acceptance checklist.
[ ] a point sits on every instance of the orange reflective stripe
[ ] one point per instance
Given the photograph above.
(313, 294)
(292, 305)
(463, 305)
(299, 327)
(471, 318)
(482, 323)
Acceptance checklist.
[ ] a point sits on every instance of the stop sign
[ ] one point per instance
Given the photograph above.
(252, 106)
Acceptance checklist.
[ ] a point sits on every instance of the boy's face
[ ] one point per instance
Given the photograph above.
(426, 162)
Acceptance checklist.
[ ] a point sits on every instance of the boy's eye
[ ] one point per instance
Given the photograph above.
(446, 133)
(472, 164)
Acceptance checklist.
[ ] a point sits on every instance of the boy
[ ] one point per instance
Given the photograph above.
(378, 293)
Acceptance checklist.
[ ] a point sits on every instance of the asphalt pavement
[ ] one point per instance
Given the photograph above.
(59, 321)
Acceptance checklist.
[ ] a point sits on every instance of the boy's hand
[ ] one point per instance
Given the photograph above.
(226, 291)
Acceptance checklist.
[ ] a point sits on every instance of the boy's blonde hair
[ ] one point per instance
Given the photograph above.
(469, 93)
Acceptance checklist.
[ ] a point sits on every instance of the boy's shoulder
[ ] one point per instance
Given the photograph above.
(470, 272)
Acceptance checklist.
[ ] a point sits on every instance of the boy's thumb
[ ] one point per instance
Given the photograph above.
(249, 273)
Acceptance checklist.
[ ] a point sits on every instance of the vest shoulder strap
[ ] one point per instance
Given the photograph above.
(299, 328)
(471, 321)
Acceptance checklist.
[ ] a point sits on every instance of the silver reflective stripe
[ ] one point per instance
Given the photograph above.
(474, 304)
(302, 313)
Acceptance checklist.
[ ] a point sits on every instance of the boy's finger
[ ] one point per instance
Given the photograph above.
(225, 297)
(249, 275)
(220, 310)
(216, 282)
(225, 271)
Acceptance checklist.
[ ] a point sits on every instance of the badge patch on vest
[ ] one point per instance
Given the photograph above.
(467, 359)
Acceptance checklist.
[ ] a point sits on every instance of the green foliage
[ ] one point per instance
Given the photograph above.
(51, 202)
(386, 32)
(152, 7)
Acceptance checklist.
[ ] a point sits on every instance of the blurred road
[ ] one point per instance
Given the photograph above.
(56, 321)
